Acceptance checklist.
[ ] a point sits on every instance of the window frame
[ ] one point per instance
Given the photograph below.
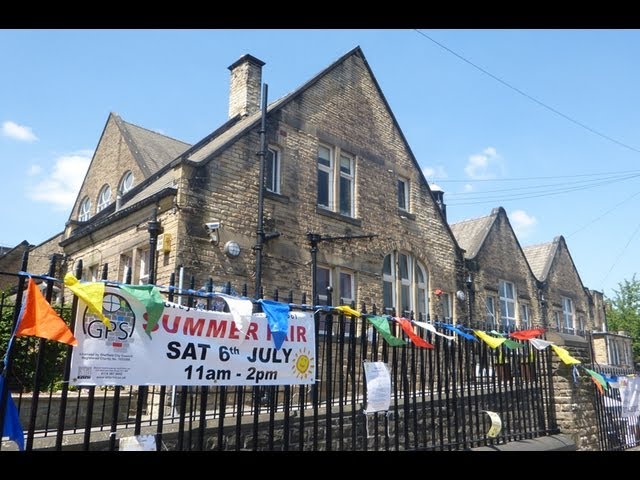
(507, 303)
(84, 211)
(525, 316)
(103, 200)
(346, 177)
(122, 189)
(328, 170)
(568, 315)
(490, 307)
(273, 174)
(143, 266)
(393, 285)
(403, 194)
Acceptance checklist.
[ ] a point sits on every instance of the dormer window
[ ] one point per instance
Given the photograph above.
(84, 212)
(104, 198)
(126, 183)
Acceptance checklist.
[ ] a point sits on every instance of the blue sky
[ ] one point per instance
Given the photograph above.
(561, 154)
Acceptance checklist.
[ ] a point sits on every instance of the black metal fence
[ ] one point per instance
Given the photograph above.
(618, 428)
(439, 396)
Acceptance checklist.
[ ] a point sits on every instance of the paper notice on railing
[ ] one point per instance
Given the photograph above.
(378, 386)
(496, 424)
(138, 443)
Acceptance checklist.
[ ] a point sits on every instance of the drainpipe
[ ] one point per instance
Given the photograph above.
(260, 229)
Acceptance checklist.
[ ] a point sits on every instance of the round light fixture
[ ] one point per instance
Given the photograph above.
(232, 249)
(461, 295)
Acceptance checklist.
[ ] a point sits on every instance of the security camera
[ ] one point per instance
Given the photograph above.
(211, 226)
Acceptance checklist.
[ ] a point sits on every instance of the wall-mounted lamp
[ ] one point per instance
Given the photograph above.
(232, 248)
(213, 229)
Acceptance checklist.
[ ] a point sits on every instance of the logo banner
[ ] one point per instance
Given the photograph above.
(188, 346)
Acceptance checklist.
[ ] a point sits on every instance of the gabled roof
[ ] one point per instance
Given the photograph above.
(9, 250)
(151, 150)
(470, 234)
(233, 133)
(204, 150)
(540, 257)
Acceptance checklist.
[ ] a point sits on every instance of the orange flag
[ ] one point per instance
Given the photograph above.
(40, 320)
(408, 329)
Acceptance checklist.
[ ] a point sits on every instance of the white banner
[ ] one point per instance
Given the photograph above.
(188, 347)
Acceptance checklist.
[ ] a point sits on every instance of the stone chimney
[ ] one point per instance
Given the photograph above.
(245, 85)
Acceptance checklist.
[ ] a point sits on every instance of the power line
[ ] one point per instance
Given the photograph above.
(548, 177)
(544, 193)
(621, 253)
(603, 215)
(585, 183)
(526, 95)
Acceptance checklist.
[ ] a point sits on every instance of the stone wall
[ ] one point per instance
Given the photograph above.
(575, 410)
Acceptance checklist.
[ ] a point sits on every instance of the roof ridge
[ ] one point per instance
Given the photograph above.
(472, 219)
(153, 131)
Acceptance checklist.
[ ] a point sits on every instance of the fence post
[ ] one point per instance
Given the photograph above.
(4, 391)
(39, 362)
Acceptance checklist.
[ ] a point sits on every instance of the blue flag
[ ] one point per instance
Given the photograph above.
(12, 427)
(459, 332)
(278, 318)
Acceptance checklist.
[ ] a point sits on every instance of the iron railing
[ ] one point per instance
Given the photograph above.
(439, 397)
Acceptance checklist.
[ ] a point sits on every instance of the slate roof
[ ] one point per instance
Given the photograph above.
(151, 150)
(540, 258)
(470, 234)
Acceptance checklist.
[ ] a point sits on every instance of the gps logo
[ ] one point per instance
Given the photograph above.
(121, 315)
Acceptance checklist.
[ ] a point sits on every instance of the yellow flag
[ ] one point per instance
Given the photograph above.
(91, 293)
(348, 310)
(493, 342)
(564, 355)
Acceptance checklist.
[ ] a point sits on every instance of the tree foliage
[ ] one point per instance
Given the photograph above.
(24, 355)
(624, 312)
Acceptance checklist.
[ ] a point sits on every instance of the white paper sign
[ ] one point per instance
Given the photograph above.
(138, 443)
(188, 347)
(496, 424)
(629, 387)
(378, 386)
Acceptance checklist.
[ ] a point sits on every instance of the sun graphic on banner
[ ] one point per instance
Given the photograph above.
(303, 365)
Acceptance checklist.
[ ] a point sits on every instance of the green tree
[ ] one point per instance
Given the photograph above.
(24, 354)
(624, 312)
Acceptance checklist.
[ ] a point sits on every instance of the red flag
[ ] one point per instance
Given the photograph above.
(40, 320)
(527, 334)
(408, 329)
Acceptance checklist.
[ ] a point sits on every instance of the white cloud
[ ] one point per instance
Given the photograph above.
(63, 182)
(523, 224)
(34, 170)
(21, 133)
(468, 187)
(483, 166)
(433, 173)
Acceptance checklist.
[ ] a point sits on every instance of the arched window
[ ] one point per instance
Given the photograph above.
(126, 183)
(405, 285)
(84, 212)
(104, 198)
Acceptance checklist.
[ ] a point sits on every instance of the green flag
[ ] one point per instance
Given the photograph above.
(381, 324)
(150, 297)
(598, 378)
(510, 344)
